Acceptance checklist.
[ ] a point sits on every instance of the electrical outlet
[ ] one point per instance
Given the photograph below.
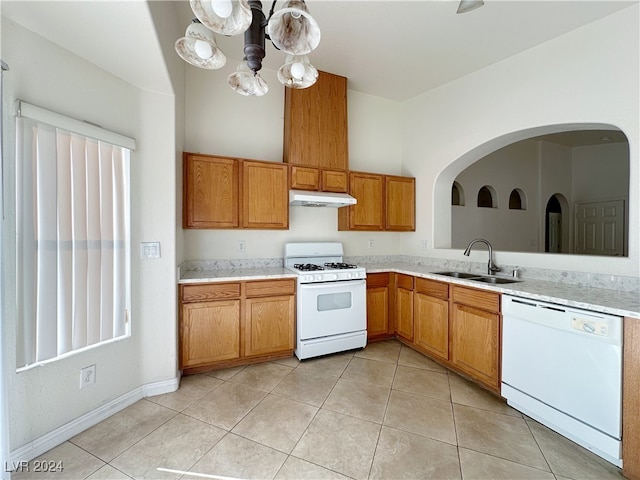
(242, 246)
(425, 244)
(87, 376)
(370, 243)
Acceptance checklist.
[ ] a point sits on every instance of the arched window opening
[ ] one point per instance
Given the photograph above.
(517, 200)
(486, 197)
(457, 194)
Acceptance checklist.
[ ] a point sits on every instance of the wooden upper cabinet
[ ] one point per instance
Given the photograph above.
(385, 202)
(265, 199)
(401, 203)
(223, 192)
(315, 124)
(319, 179)
(368, 213)
(210, 192)
(305, 178)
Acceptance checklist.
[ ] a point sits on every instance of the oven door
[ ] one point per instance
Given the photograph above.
(331, 308)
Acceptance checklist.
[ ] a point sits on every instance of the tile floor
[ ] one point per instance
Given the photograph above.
(385, 412)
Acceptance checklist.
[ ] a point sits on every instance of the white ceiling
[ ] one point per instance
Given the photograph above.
(392, 49)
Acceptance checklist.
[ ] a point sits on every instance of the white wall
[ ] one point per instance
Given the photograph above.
(511, 167)
(589, 76)
(221, 122)
(45, 398)
(608, 163)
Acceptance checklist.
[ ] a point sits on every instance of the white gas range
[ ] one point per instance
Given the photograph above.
(331, 299)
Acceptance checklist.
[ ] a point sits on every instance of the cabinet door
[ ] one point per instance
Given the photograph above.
(377, 311)
(401, 203)
(209, 332)
(315, 124)
(335, 181)
(269, 325)
(404, 313)
(305, 178)
(210, 192)
(368, 213)
(431, 324)
(475, 343)
(265, 195)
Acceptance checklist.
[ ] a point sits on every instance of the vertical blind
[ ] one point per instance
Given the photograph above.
(74, 241)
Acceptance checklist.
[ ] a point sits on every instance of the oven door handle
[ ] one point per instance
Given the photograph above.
(326, 285)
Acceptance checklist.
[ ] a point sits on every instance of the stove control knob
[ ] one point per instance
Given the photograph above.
(334, 276)
(318, 278)
(349, 275)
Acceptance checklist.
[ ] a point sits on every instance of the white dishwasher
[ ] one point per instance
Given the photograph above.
(563, 367)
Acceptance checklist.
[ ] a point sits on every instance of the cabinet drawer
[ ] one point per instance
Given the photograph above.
(270, 288)
(404, 281)
(432, 288)
(377, 280)
(476, 298)
(209, 291)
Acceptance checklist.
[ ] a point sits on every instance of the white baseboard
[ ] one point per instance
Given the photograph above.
(69, 430)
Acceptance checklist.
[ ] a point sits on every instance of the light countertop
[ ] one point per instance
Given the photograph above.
(598, 299)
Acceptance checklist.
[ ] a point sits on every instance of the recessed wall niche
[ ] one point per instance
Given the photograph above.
(486, 197)
(517, 200)
(457, 194)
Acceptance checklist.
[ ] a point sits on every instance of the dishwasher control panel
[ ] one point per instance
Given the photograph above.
(590, 326)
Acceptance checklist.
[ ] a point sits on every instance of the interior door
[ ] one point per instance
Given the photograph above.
(600, 228)
(554, 229)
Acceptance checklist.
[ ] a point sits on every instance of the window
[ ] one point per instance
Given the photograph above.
(73, 224)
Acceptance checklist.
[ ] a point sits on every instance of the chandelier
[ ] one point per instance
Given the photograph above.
(291, 29)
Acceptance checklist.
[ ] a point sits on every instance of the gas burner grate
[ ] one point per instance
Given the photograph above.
(307, 267)
(339, 265)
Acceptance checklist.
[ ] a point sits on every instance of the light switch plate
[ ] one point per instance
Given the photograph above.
(149, 249)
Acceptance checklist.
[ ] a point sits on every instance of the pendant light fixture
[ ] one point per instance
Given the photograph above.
(291, 29)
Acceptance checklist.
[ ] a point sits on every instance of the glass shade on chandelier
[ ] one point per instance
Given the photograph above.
(247, 82)
(297, 72)
(198, 47)
(291, 29)
(226, 17)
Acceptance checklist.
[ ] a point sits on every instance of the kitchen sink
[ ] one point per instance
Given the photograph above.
(478, 278)
(495, 280)
(458, 274)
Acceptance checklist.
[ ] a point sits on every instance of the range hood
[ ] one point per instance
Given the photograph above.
(320, 199)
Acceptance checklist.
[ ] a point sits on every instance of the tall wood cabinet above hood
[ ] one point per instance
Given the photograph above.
(315, 124)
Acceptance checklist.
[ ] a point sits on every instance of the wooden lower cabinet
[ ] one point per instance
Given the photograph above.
(378, 300)
(631, 399)
(475, 335)
(404, 306)
(210, 332)
(269, 325)
(431, 318)
(226, 324)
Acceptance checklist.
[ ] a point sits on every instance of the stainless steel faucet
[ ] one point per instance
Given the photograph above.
(491, 267)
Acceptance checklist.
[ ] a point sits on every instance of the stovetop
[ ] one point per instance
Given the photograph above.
(312, 267)
(316, 262)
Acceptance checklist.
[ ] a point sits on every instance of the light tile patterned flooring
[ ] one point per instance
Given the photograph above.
(385, 412)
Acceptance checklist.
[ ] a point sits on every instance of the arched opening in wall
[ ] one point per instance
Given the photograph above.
(553, 225)
(583, 162)
(487, 197)
(457, 194)
(517, 200)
